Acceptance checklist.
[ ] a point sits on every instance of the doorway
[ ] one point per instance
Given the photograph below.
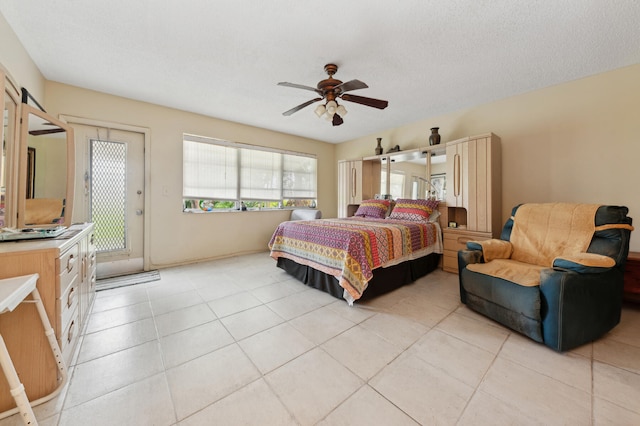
(112, 180)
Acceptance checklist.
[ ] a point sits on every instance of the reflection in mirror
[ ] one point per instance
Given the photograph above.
(46, 170)
(408, 172)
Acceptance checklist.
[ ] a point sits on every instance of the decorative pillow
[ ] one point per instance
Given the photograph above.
(373, 208)
(415, 210)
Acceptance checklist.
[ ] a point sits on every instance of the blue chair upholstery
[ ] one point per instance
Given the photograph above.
(571, 306)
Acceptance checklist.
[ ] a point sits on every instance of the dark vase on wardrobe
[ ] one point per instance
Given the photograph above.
(434, 137)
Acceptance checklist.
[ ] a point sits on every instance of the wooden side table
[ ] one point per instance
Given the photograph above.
(632, 277)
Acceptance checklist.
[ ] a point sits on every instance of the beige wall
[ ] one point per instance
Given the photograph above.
(174, 237)
(575, 142)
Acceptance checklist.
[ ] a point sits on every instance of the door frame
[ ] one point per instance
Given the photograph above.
(146, 132)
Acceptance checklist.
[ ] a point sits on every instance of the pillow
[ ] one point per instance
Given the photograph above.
(414, 210)
(373, 208)
(434, 216)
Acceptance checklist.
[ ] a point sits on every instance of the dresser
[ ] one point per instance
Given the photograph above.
(632, 277)
(67, 283)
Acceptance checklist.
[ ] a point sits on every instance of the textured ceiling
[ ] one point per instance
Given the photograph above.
(225, 58)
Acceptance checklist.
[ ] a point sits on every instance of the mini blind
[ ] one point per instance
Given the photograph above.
(299, 177)
(223, 170)
(209, 171)
(261, 175)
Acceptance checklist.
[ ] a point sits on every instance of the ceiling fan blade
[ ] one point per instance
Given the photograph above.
(350, 85)
(375, 103)
(299, 107)
(336, 120)
(300, 86)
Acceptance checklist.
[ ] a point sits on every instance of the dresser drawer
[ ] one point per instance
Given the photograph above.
(67, 267)
(68, 303)
(450, 262)
(69, 337)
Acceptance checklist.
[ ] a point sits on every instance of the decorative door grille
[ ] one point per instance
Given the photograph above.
(108, 204)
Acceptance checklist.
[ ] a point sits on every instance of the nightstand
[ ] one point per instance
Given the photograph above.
(455, 239)
(632, 277)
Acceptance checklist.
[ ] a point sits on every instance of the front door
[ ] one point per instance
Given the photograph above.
(114, 196)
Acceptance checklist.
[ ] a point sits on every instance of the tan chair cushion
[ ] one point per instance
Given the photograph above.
(525, 274)
(542, 232)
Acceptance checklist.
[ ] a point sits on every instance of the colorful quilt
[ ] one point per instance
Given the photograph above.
(351, 248)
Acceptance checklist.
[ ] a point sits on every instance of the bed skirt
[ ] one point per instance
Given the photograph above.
(383, 281)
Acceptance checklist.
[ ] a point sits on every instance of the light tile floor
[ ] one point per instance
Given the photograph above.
(238, 341)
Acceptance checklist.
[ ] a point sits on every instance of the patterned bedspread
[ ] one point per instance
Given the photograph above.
(351, 248)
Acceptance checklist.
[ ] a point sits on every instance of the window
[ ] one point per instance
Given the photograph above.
(223, 175)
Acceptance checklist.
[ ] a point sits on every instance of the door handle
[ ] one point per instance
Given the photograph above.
(139, 212)
(456, 175)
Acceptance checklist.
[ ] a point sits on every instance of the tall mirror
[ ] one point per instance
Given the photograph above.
(45, 184)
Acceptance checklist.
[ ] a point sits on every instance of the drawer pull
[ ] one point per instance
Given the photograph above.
(71, 262)
(72, 329)
(71, 297)
(464, 240)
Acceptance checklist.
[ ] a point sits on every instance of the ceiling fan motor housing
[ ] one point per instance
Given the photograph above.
(327, 85)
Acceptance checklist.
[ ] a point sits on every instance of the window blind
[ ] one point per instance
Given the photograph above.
(223, 170)
(209, 171)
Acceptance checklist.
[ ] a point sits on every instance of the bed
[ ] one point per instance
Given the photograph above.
(365, 255)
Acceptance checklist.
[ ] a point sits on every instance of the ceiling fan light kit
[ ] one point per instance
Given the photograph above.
(331, 89)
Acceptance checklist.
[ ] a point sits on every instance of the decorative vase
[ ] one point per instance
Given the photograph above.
(434, 137)
(379, 146)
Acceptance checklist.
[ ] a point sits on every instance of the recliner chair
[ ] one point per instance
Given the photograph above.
(542, 284)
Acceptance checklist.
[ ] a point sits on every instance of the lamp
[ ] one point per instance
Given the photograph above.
(331, 111)
(435, 191)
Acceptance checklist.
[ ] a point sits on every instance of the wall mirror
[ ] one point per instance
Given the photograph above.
(46, 171)
(416, 173)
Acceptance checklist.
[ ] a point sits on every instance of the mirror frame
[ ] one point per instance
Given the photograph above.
(9, 92)
(27, 110)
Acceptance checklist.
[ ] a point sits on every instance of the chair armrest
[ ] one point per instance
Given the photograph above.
(492, 249)
(578, 308)
(466, 257)
(584, 263)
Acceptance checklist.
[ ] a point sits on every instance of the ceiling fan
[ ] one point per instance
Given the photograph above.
(331, 89)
